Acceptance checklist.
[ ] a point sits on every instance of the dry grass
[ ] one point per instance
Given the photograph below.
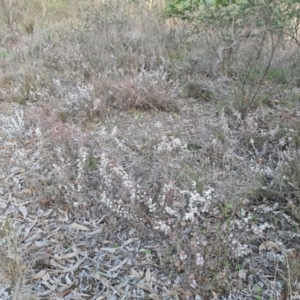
(15, 270)
(129, 173)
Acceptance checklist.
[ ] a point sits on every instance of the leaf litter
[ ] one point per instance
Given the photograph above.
(73, 253)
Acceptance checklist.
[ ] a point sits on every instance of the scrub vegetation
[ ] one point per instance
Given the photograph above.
(149, 149)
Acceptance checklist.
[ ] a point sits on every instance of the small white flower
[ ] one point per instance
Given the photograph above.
(199, 260)
(182, 255)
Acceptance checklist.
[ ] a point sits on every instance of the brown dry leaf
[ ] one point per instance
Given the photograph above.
(28, 229)
(40, 275)
(118, 266)
(148, 275)
(23, 210)
(79, 227)
(129, 241)
(28, 191)
(135, 273)
(98, 275)
(47, 202)
(61, 294)
(57, 265)
(177, 263)
(215, 295)
(68, 280)
(64, 210)
(105, 282)
(268, 246)
(95, 232)
(144, 286)
(63, 217)
(243, 274)
(132, 231)
(62, 269)
(46, 277)
(184, 292)
(110, 250)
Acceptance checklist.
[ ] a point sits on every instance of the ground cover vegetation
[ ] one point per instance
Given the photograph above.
(149, 149)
